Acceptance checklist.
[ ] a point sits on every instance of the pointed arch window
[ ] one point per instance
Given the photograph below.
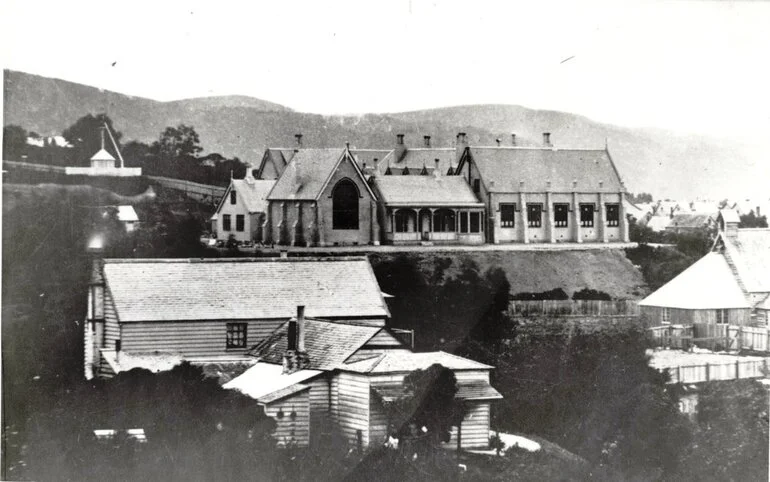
(345, 205)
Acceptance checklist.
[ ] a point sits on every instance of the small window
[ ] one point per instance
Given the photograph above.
(236, 335)
(508, 215)
(476, 186)
(587, 215)
(475, 222)
(561, 215)
(226, 226)
(665, 316)
(232, 197)
(613, 214)
(464, 222)
(534, 215)
(239, 222)
(722, 317)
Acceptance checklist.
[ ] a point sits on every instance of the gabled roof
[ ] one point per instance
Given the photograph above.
(426, 190)
(503, 169)
(400, 362)
(127, 214)
(242, 288)
(707, 284)
(252, 191)
(368, 156)
(690, 220)
(749, 250)
(267, 383)
(729, 215)
(102, 155)
(278, 157)
(466, 390)
(417, 158)
(327, 343)
(309, 172)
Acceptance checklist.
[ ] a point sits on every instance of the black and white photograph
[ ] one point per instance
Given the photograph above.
(385, 240)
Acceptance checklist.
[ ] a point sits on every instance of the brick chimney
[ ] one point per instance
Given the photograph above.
(427, 140)
(547, 139)
(513, 139)
(296, 358)
(299, 140)
(400, 149)
(249, 177)
(460, 145)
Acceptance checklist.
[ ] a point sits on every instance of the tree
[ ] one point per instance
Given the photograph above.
(751, 220)
(177, 142)
(14, 142)
(85, 136)
(428, 401)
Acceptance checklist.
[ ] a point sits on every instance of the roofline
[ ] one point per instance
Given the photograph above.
(559, 191)
(234, 260)
(539, 148)
(615, 168)
(345, 155)
(427, 204)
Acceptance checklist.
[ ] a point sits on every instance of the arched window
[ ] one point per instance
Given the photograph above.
(345, 205)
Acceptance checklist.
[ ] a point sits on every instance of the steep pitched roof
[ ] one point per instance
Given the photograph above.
(252, 191)
(242, 288)
(327, 343)
(690, 220)
(278, 157)
(399, 362)
(426, 190)
(417, 158)
(102, 155)
(267, 383)
(368, 156)
(749, 250)
(503, 169)
(707, 284)
(308, 173)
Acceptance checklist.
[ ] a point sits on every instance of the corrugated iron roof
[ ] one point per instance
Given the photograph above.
(707, 284)
(266, 382)
(243, 288)
(504, 169)
(328, 344)
(397, 362)
(427, 190)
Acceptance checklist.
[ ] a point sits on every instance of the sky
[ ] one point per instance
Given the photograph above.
(698, 67)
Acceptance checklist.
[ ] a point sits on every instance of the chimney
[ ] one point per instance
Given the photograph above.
(461, 144)
(498, 142)
(513, 139)
(249, 177)
(301, 328)
(547, 139)
(400, 149)
(437, 171)
(299, 140)
(427, 140)
(296, 358)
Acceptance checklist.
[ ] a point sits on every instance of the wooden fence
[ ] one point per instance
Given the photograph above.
(712, 336)
(672, 336)
(597, 308)
(35, 167)
(718, 371)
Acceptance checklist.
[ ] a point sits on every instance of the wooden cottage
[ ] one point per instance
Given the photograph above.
(730, 285)
(154, 313)
(242, 210)
(318, 375)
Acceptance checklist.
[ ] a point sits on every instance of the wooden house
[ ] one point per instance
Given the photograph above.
(546, 194)
(154, 313)
(242, 210)
(690, 223)
(321, 198)
(730, 285)
(318, 375)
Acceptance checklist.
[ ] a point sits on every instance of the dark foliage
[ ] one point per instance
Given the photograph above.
(752, 220)
(14, 142)
(85, 137)
(659, 265)
(642, 197)
(554, 294)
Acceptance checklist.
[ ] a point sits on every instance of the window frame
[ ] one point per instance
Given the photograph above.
(722, 316)
(240, 223)
(533, 208)
(464, 222)
(233, 197)
(584, 207)
(347, 218)
(477, 186)
(479, 222)
(511, 208)
(614, 209)
(559, 208)
(236, 335)
(665, 316)
(227, 223)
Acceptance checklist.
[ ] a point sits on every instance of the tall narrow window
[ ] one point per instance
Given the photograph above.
(475, 222)
(561, 215)
(534, 215)
(665, 316)
(587, 215)
(464, 222)
(404, 218)
(226, 226)
(476, 186)
(236, 335)
(613, 214)
(508, 215)
(232, 196)
(722, 317)
(345, 205)
(239, 222)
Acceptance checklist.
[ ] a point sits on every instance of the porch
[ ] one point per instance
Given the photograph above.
(413, 225)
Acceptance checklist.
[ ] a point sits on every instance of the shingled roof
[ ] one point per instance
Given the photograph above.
(504, 169)
(427, 190)
(690, 220)
(327, 343)
(243, 288)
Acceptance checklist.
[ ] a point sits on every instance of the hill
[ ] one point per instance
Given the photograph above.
(649, 160)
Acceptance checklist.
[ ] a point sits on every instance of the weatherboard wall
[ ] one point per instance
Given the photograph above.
(352, 407)
(292, 418)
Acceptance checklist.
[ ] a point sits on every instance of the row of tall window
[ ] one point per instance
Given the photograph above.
(442, 221)
(227, 222)
(560, 215)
